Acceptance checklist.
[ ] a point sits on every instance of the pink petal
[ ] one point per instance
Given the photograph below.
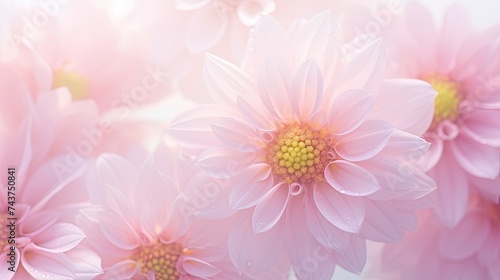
(365, 141)
(343, 211)
(490, 249)
(251, 186)
(422, 28)
(382, 223)
(39, 263)
(397, 180)
(350, 179)
(470, 270)
(406, 104)
(465, 239)
(38, 222)
(477, 159)
(274, 88)
(450, 42)
(49, 179)
(87, 264)
(432, 157)
(267, 38)
(199, 268)
(323, 231)
(364, 69)
(354, 257)
(192, 126)
(270, 208)
(222, 162)
(306, 93)
(349, 111)
(59, 238)
(122, 270)
(451, 195)
(190, 4)
(319, 39)
(158, 191)
(116, 172)
(254, 252)
(484, 127)
(118, 231)
(406, 146)
(257, 116)
(310, 260)
(225, 81)
(236, 134)
(205, 28)
(207, 196)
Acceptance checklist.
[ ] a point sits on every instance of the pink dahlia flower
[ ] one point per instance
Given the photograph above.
(89, 56)
(35, 197)
(468, 251)
(140, 229)
(465, 131)
(316, 156)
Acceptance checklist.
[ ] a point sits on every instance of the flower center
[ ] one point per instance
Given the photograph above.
(161, 259)
(75, 83)
(447, 100)
(299, 153)
(4, 231)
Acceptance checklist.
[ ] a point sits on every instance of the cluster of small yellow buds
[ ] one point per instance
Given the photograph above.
(299, 153)
(161, 259)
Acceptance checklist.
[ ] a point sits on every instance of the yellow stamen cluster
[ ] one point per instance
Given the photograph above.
(447, 100)
(75, 83)
(299, 153)
(161, 259)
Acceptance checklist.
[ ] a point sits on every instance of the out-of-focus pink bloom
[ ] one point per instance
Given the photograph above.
(311, 146)
(141, 229)
(465, 130)
(468, 251)
(221, 27)
(47, 190)
(89, 56)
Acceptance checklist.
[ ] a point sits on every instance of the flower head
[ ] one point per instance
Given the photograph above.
(140, 227)
(467, 251)
(299, 134)
(464, 130)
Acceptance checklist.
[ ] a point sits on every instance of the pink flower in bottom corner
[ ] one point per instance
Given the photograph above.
(140, 229)
(468, 251)
(312, 172)
(461, 65)
(35, 197)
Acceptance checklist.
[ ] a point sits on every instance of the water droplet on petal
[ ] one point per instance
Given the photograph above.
(342, 191)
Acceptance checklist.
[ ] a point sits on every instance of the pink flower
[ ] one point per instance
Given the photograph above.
(41, 199)
(141, 229)
(317, 159)
(470, 250)
(464, 133)
(90, 56)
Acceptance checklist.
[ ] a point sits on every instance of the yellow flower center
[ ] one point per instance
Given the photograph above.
(161, 259)
(447, 100)
(299, 153)
(75, 83)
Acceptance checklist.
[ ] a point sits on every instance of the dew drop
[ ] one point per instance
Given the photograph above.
(356, 193)
(342, 191)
